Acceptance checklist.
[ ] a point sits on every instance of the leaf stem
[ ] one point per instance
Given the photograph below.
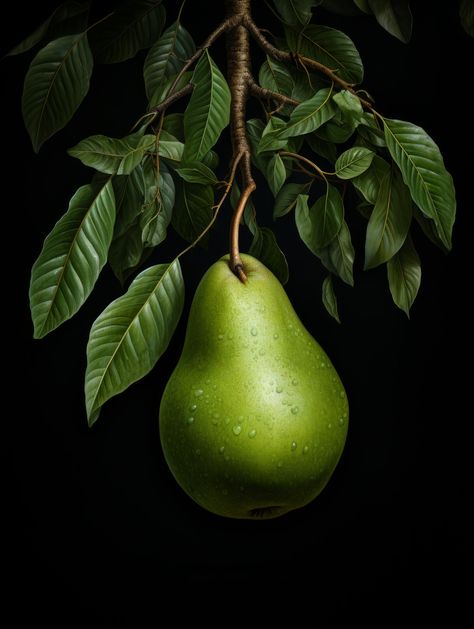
(307, 161)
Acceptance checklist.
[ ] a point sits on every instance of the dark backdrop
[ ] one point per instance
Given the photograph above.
(100, 530)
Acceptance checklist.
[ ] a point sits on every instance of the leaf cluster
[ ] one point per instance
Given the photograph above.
(319, 144)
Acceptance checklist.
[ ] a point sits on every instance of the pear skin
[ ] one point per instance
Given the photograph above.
(254, 418)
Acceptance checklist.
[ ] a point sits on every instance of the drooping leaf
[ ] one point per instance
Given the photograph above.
(167, 57)
(353, 162)
(158, 204)
(319, 224)
(394, 16)
(424, 172)
(306, 84)
(128, 191)
(170, 147)
(428, 228)
(265, 247)
(113, 155)
(72, 257)
(329, 298)
(330, 47)
(404, 276)
(174, 124)
(55, 85)
(310, 114)
(131, 334)
(270, 139)
(390, 220)
(68, 18)
(208, 110)
(338, 256)
(287, 197)
(196, 172)
(126, 252)
(275, 76)
(193, 209)
(370, 131)
(336, 130)
(368, 183)
(466, 13)
(295, 12)
(134, 25)
(275, 174)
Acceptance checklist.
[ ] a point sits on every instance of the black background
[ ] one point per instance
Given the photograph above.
(100, 530)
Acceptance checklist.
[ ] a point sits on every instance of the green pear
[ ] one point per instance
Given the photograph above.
(254, 418)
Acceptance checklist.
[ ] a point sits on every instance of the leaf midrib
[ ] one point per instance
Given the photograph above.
(129, 26)
(306, 118)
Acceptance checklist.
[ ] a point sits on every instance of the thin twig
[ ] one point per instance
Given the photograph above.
(263, 92)
(304, 159)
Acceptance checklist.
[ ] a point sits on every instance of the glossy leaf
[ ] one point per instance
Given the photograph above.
(370, 131)
(295, 12)
(167, 57)
(170, 147)
(287, 197)
(193, 210)
(270, 139)
(394, 16)
(338, 256)
(55, 85)
(368, 183)
(113, 155)
(128, 191)
(390, 220)
(72, 257)
(275, 76)
(174, 124)
(275, 174)
(318, 225)
(330, 47)
(168, 87)
(196, 172)
(353, 162)
(134, 25)
(329, 298)
(404, 276)
(208, 110)
(428, 228)
(158, 204)
(322, 148)
(349, 106)
(423, 170)
(265, 247)
(126, 252)
(310, 114)
(131, 334)
(68, 18)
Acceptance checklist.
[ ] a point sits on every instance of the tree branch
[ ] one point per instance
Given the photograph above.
(172, 98)
(263, 92)
(294, 58)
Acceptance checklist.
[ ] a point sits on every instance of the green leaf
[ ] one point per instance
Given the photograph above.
(276, 174)
(196, 172)
(163, 90)
(309, 115)
(350, 107)
(112, 155)
(128, 191)
(287, 197)
(319, 224)
(167, 57)
(295, 12)
(169, 147)
(134, 25)
(174, 124)
(368, 183)
(428, 228)
(423, 170)
(353, 162)
(370, 131)
(335, 131)
(404, 276)
(306, 84)
(208, 110)
(158, 206)
(390, 220)
(131, 334)
(466, 13)
(363, 5)
(338, 256)
(55, 85)
(270, 140)
(265, 247)
(126, 252)
(74, 13)
(329, 298)
(275, 76)
(193, 209)
(72, 257)
(322, 148)
(394, 16)
(330, 47)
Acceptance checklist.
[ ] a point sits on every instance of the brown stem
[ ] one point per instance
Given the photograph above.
(172, 98)
(289, 57)
(263, 92)
(239, 75)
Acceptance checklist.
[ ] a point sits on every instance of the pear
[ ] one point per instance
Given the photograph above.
(254, 417)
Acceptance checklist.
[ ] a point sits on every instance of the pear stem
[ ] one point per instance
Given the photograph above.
(235, 260)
